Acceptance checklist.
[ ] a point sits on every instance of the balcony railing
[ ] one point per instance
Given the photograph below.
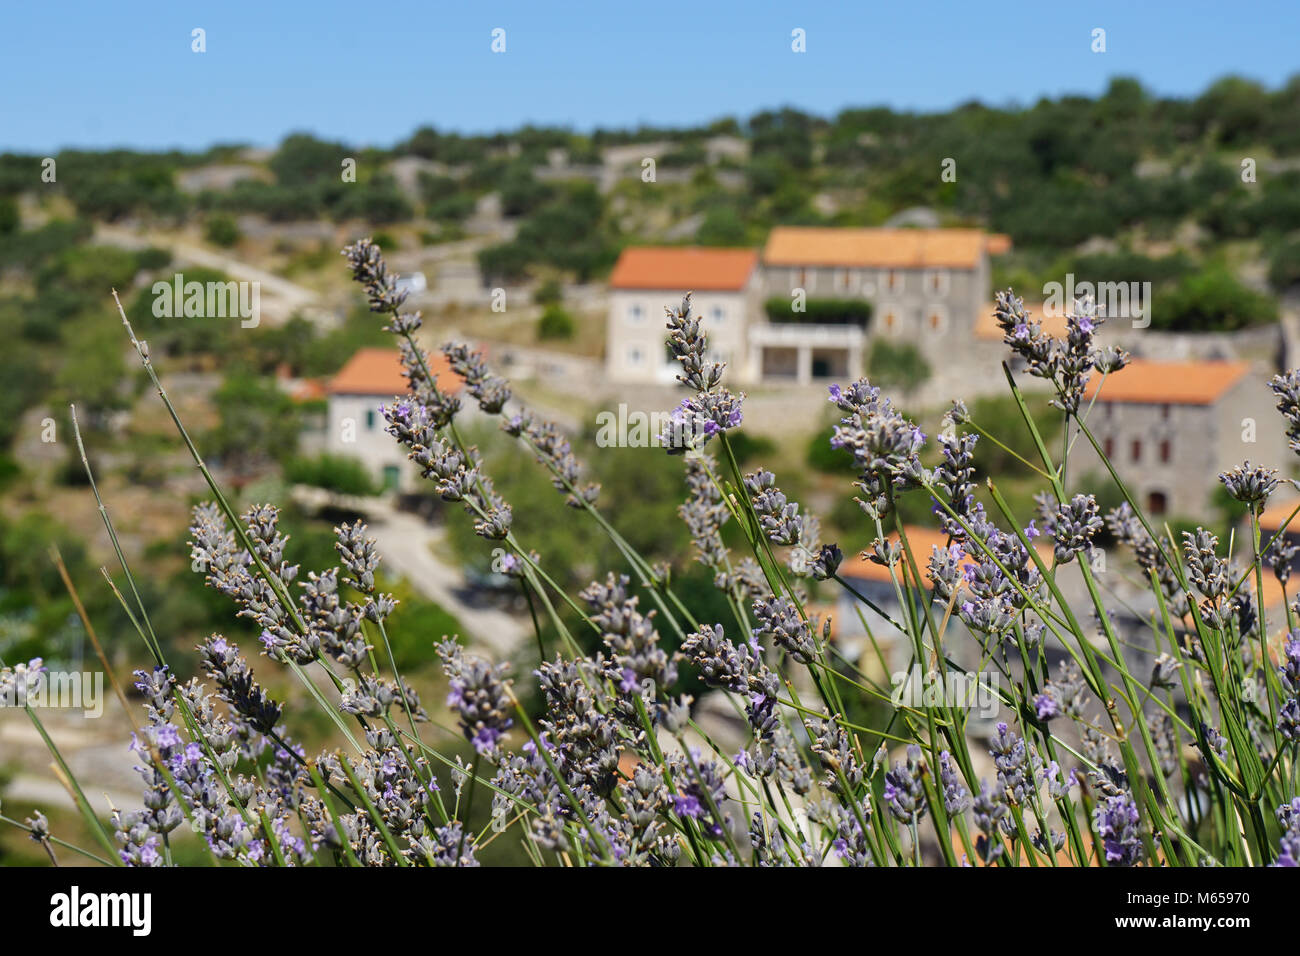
(836, 336)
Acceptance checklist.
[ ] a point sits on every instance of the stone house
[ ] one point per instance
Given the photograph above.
(1170, 428)
(922, 285)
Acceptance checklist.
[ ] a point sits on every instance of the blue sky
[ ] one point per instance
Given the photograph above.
(95, 74)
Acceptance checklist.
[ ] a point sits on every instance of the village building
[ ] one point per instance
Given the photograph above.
(806, 310)
(354, 425)
(1170, 428)
(647, 279)
(924, 286)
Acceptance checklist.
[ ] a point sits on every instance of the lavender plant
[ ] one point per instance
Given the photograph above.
(1177, 750)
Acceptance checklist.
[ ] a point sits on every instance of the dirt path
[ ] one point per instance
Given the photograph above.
(405, 542)
(280, 298)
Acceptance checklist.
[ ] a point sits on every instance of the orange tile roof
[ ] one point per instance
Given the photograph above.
(880, 248)
(1276, 514)
(376, 371)
(308, 390)
(986, 326)
(820, 614)
(628, 761)
(920, 540)
(1168, 383)
(683, 268)
(999, 243)
(1274, 597)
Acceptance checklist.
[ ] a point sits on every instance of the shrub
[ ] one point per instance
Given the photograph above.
(10, 219)
(897, 365)
(555, 323)
(749, 447)
(819, 311)
(549, 292)
(456, 208)
(722, 226)
(338, 473)
(504, 262)
(152, 258)
(1284, 266)
(1211, 301)
(222, 230)
(822, 457)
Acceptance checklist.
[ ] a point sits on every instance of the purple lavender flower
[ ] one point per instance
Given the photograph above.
(1073, 526)
(1250, 484)
(1046, 707)
(479, 694)
(956, 798)
(904, 791)
(1117, 824)
(1289, 844)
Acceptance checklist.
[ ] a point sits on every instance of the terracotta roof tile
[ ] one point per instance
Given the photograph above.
(683, 268)
(920, 540)
(308, 390)
(999, 243)
(1277, 513)
(879, 248)
(376, 371)
(1169, 383)
(986, 326)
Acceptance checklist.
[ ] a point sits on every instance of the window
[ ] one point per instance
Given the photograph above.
(1166, 452)
(936, 318)
(936, 281)
(370, 419)
(801, 278)
(1137, 449)
(894, 280)
(845, 280)
(891, 320)
(1157, 503)
(635, 312)
(392, 477)
(634, 356)
(1108, 447)
(1164, 412)
(717, 313)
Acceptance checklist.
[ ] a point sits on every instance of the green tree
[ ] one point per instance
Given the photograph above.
(258, 423)
(92, 369)
(222, 230)
(92, 271)
(504, 262)
(899, 365)
(521, 193)
(1212, 300)
(9, 218)
(1284, 266)
(303, 159)
(722, 226)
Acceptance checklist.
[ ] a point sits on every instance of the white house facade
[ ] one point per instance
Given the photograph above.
(646, 280)
(354, 425)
